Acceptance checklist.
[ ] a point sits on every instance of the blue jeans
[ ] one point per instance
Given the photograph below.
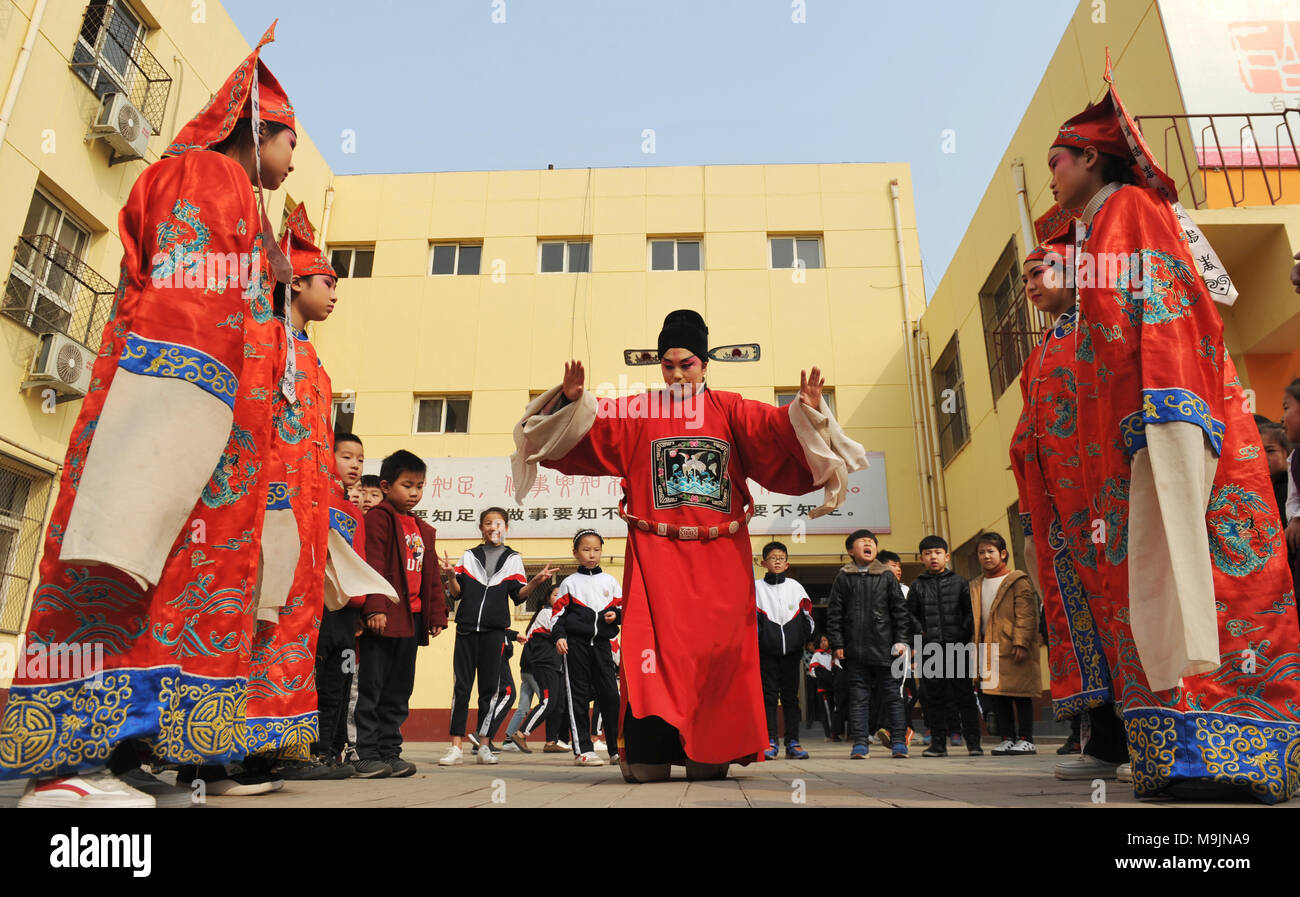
(861, 678)
(527, 691)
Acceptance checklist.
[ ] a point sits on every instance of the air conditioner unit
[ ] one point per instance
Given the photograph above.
(122, 125)
(61, 364)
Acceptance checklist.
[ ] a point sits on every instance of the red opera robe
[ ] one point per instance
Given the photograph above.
(162, 479)
(690, 638)
(282, 681)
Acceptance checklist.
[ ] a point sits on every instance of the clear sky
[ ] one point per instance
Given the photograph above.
(436, 85)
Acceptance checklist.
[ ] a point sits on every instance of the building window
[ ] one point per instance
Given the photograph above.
(1008, 334)
(786, 396)
(564, 257)
(110, 57)
(50, 287)
(675, 255)
(441, 414)
(24, 494)
(352, 261)
(455, 258)
(792, 252)
(343, 414)
(950, 402)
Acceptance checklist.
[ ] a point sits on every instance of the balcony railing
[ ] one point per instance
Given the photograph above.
(50, 289)
(1203, 145)
(110, 56)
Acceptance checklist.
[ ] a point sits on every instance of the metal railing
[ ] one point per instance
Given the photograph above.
(1207, 155)
(50, 289)
(110, 56)
(1009, 343)
(24, 499)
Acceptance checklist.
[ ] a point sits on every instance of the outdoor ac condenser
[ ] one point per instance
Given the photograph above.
(122, 125)
(62, 364)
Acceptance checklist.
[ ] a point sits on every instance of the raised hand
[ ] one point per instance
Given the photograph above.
(547, 572)
(445, 564)
(810, 387)
(574, 376)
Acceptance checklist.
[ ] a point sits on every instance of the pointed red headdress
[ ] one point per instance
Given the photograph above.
(299, 243)
(1108, 126)
(1057, 242)
(234, 100)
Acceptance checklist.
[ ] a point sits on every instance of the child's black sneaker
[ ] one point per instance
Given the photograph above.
(934, 751)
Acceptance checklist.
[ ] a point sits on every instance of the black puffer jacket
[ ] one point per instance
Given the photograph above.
(941, 609)
(866, 614)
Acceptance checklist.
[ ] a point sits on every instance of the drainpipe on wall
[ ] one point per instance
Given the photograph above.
(1027, 238)
(20, 68)
(918, 434)
(325, 216)
(932, 412)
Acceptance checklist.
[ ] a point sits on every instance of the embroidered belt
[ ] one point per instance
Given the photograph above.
(685, 533)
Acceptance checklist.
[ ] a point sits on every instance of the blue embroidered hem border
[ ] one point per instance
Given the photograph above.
(71, 726)
(277, 497)
(1163, 406)
(1168, 746)
(291, 737)
(343, 523)
(155, 358)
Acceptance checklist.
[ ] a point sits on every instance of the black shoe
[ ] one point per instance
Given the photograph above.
(1071, 746)
(372, 769)
(975, 752)
(304, 770)
(932, 751)
(401, 768)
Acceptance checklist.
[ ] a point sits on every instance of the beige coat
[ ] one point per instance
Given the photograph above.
(1013, 620)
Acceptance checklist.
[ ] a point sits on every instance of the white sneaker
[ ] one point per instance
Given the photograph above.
(511, 746)
(1023, 746)
(99, 788)
(1124, 773)
(485, 755)
(588, 759)
(565, 745)
(599, 745)
(164, 795)
(1004, 748)
(473, 738)
(1084, 766)
(454, 757)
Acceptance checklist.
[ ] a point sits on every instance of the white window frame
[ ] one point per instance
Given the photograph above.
(442, 423)
(102, 65)
(676, 241)
(27, 276)
(796, 262)
(785, 396)
(455, 272)
(353, 248)
(568, 244)
(336, 403)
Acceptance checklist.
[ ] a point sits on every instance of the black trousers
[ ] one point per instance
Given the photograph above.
(557, 719)
(810, 712)
(387, 676)
(1106, 741)
(505, 699)
(1015, 716)
(824, 700)
(951, 704)
(780, 677)
(861, 678)
(840, 701)
(551, 701)
(477, 656)
(592, 676)
(336, 661)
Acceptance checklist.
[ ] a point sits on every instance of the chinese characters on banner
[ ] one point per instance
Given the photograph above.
(557, 505)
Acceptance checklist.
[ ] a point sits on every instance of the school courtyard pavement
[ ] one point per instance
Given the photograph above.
(827, 779)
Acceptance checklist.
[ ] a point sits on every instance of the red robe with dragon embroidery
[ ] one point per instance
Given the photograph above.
(690, 632)
(162, 478)
(282, 706)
